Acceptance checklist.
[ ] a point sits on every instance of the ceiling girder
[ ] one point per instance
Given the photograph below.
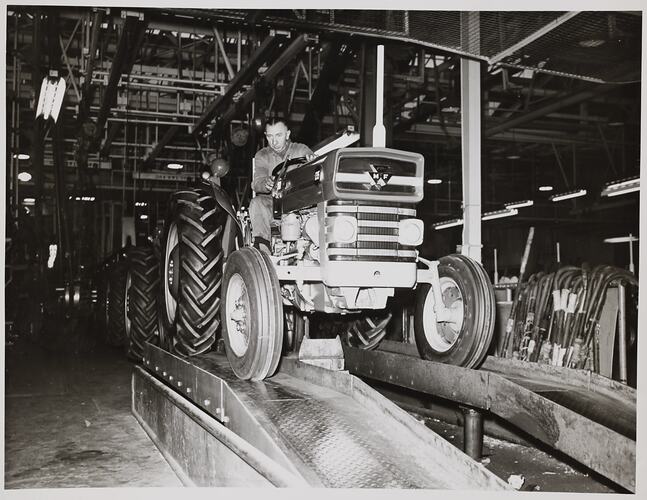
(339, 55)
(559, 103)
(246, 73)
(130, 41)
(267, 78)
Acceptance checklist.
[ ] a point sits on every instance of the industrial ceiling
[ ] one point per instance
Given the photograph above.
(151, 87)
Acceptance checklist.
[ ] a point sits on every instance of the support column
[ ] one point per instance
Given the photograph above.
(471, 138)
(472, 433)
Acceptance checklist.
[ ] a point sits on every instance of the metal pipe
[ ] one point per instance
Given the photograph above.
(472, 433)
(225, 58)
(622, 333)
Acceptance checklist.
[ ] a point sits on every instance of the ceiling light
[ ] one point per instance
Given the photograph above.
(448, 223)
(568, 196)
(497, 214)
(29, 201)
(519, 204)
(143, 216)
(513, 156)
(622, 187)
(545, 188)
(24, 176)
(140, 204)
(621, 239)
(434, 181)
(592, 43)
(22, 156)
(175, 166)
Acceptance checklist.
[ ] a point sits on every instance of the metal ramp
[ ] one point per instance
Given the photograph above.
(588, 417)
(304, 426)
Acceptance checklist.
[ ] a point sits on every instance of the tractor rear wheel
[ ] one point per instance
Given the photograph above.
(464, 339)
(143, 277)
(192, 261)
(117, 333)
(252, 314)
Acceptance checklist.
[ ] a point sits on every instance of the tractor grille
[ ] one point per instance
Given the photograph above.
(377, 229)
(384, 175)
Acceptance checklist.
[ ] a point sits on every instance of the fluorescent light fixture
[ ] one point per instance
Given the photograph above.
(519, 204)
(52, 256)
(497, 214)
(29, 201)
(22, 156)
(434, 181)
(140, 204)
(143, 217)
(175, 166)
(621, 239)
(545, 188)
(448, 223)
(622, 187)
(24, 176)
(568, 195)
(513, 156)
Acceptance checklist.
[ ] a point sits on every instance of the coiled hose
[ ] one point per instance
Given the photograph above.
(555, 317)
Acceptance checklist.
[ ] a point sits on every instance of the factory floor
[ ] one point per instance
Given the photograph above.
(68, 424)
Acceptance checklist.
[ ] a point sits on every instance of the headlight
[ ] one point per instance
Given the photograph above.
(343, 229)
(411, 232)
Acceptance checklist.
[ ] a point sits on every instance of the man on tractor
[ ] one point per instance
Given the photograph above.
(280, 148)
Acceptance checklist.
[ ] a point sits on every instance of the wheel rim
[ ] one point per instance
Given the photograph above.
(237, 312)
(442, 336)
(127, 305)
(170, 273)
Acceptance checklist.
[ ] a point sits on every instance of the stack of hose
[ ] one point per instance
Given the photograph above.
(555, 317)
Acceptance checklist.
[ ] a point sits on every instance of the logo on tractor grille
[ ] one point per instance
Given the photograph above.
(379, 176)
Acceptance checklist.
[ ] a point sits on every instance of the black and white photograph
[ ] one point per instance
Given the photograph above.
(332, 251)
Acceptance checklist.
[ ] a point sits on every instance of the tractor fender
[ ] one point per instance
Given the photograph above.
(222, 198)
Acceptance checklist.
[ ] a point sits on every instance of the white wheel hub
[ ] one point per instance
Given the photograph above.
(237, 312)
(170, 304)
(443, 335)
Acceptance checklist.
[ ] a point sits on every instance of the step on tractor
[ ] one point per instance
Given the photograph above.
(344, 239)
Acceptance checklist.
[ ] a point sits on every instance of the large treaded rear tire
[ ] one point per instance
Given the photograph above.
(252, 314)
(142, 299)
(197, 221)
(116, 334)
(466, 287)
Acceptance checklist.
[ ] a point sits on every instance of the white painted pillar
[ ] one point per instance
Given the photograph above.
(471, 140)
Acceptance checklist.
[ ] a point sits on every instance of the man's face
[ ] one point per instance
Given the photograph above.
(277, 135)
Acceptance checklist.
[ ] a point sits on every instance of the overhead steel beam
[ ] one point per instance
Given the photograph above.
(559, 103)
(128, 46)
(113, 130)
(532, 37)
(298, 45)
(246, 74)
(337, 59)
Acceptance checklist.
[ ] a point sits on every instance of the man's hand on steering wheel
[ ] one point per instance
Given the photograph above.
(269, 183)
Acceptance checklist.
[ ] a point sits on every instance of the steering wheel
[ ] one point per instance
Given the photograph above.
(286, 164)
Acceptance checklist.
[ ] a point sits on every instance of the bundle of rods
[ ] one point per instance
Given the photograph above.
(555, 317)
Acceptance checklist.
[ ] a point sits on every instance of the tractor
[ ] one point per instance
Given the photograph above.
(344, 240)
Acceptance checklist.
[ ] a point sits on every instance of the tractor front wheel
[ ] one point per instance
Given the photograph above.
(463, 338)
(252, 314)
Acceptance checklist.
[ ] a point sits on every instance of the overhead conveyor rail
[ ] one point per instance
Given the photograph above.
(588, 417)
(304, 426)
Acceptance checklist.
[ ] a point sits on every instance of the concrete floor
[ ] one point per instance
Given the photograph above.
(68, 423)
